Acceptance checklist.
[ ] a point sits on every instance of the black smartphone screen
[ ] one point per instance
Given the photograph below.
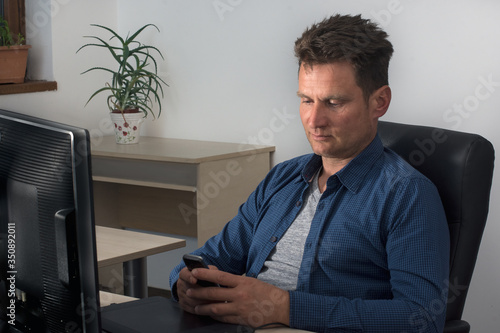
(193, 261)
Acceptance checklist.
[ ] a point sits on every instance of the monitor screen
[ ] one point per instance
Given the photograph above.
(48, 270)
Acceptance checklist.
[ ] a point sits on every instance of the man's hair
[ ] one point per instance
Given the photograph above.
(348, 38)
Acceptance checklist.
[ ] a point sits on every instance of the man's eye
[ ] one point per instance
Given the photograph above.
(332, 103)
(306, 101)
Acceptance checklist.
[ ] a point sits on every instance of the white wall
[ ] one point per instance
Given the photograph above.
(233, 77)
(69, 21)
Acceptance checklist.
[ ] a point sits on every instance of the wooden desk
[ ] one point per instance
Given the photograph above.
(116, 246)
(109, 298)
(182, 187)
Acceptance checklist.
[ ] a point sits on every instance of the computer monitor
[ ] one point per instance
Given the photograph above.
(48, 270)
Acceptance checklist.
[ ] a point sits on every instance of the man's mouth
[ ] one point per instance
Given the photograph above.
(319, 137)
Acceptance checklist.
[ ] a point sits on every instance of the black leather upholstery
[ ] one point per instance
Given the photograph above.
(461, 167)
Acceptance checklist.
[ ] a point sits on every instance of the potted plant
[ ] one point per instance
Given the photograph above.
(135, 85)
(13, 55)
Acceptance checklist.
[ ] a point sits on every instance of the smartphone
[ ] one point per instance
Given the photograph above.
(193, 261)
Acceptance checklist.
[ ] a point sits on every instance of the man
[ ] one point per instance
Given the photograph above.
(350, 238)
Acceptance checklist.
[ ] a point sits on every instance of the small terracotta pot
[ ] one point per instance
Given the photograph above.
(13, 61)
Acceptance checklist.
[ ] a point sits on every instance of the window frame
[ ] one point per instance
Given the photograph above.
(14, 11)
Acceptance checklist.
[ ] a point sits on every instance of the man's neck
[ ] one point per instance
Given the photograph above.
(330, 167)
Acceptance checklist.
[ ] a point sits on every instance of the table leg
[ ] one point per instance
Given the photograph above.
(135, 278)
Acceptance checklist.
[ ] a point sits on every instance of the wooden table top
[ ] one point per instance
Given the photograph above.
(116, 246)
(174, 150)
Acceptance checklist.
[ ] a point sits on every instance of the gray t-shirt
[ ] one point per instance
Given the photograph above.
(282, 266)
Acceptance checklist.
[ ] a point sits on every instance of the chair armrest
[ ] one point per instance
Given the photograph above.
(456, 326)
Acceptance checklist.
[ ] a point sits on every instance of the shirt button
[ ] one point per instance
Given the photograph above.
(298, 203)
(274, 239)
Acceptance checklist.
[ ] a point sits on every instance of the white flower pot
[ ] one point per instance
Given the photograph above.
(127, 126)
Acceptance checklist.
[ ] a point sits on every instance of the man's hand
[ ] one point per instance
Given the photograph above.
(242, 300)
(188, 281)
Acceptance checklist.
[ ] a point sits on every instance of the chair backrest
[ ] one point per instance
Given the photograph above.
(461, 167)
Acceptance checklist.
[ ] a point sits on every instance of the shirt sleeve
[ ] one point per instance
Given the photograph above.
(417, 249)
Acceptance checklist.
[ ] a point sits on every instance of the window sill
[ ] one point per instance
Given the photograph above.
(27, 87)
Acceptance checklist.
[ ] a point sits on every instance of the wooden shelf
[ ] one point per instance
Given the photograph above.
(144, 183)
(27, 87)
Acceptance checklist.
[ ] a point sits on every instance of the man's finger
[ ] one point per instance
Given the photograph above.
(216, 276)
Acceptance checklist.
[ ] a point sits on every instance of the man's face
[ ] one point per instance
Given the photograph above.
(338, 122)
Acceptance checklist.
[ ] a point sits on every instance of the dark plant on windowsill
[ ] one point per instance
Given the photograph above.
(6, 37)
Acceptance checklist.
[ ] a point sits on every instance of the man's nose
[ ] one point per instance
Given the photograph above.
(318, 116)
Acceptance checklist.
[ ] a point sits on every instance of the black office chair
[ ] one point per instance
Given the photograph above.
(461, 167)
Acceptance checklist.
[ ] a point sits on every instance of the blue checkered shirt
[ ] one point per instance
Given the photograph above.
(376, 256)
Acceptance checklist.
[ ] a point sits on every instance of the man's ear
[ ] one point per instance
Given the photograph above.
(380, 100)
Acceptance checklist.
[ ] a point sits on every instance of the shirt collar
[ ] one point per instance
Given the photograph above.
(352, 175)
